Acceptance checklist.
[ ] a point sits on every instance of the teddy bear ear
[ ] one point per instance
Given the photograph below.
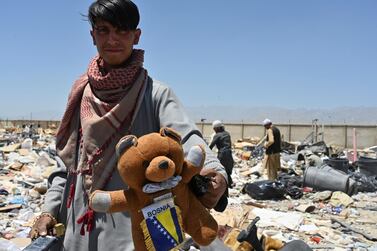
(166, 131)
(125, 143)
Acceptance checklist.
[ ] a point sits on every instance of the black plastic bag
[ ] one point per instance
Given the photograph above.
(294, 192)
(265, 190)
(290, 179)
(365, 184)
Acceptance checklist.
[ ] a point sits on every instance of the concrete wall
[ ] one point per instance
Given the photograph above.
(19, 123)
(339, 135)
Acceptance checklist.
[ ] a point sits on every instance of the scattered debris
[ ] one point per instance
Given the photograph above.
(25, 164)
(327, 202)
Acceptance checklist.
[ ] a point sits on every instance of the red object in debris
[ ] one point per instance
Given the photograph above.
(316, 239)
(321, 205)
(307, 189)
(291, 206)
(8, 236)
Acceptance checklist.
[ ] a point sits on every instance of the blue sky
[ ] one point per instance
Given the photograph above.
(291, 54)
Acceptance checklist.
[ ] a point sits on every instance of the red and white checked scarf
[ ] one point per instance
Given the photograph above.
(103, 109)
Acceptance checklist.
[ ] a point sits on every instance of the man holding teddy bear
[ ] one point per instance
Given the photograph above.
(115, 97)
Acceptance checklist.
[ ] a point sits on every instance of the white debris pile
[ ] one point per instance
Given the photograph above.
(26, 161)
(323, 219)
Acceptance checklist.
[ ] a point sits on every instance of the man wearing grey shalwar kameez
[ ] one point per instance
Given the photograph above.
(114, 98)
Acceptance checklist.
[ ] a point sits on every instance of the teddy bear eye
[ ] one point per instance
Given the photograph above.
(145, 164)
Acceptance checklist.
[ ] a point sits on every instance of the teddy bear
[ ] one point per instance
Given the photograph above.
(161, 205)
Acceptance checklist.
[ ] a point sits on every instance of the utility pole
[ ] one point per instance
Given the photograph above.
(202, 124)
(314, 131)
(354, 145)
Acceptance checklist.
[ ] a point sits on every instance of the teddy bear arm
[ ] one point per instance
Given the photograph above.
(200, 225)
(189, 171)
(119, 202)
(204, 231)
(109, 201)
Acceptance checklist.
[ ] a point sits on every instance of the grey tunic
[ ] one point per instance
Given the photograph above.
(160, 107)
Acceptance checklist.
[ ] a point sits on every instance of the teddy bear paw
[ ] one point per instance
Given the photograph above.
(196, 156)
(100, 202)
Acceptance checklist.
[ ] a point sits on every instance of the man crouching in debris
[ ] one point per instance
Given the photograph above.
(271, 160)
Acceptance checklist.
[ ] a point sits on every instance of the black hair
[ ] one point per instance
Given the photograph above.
(122, 14)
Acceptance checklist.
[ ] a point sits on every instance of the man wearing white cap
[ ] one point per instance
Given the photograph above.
(271, 160)
(223, 143)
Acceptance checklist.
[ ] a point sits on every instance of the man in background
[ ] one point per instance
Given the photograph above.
(25, 131)
(271, 161)
(223, 143)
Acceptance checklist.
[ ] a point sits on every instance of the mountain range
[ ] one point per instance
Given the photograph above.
(233, 114)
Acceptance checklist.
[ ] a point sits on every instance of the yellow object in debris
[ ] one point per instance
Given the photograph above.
(60, 229)
(272, 244)
(10, 148)
(233, 244)
(340, 199)
(246, 155)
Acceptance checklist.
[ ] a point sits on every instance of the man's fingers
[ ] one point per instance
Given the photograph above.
(33, 233)
(215, 190)
(42, 232)
(218, 182)
(216, 187)
(43, 227)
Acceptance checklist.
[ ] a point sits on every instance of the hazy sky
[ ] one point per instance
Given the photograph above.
(290, 54)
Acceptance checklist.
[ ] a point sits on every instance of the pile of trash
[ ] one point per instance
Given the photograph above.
(26, 161)
(320, 198)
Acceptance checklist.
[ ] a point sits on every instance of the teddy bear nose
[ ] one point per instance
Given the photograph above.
(164, 164)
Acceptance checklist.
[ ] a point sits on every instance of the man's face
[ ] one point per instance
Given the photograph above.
(113, 44)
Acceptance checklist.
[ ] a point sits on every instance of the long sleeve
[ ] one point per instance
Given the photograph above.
(214, 141)
(170, 113)
(56, 184)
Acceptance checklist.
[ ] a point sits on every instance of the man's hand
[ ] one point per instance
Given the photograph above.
(43, 225)
(216, 187)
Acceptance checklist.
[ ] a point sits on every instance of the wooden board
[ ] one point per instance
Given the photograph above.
(10, 207)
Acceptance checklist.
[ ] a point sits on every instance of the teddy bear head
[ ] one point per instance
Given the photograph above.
(150, 159)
